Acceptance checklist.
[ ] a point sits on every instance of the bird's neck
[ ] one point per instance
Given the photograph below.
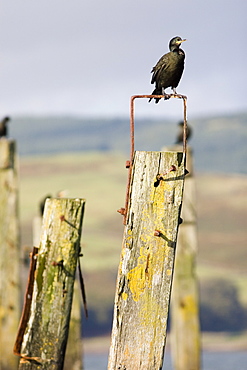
(178, 51)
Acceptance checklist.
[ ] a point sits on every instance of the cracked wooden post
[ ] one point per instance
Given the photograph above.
(185, 326)
(9, 253)
(73, 358)
(147, 260)
(45, 339)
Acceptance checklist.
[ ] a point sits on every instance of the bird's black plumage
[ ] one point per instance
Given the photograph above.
(4, 127)
(180, 135)
(169, 69)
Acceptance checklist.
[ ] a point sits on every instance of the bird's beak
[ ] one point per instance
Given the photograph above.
(180, 42)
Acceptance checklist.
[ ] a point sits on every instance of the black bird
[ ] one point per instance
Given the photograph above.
(168, 71)
(4, 127)
(180, 135)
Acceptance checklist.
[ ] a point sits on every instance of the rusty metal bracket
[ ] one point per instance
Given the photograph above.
(129, 164)
(27, 306)
(82, 286)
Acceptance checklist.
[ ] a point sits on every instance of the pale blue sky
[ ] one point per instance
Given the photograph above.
(88, 57)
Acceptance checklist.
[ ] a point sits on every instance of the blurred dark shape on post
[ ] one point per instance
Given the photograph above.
(180, 134)
(4, 127)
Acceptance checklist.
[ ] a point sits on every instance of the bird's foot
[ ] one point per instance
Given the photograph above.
(166, 96)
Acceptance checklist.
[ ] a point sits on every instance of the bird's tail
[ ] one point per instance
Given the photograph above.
(156, 92)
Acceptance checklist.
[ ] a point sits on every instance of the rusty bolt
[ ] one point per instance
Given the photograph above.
(121, 211)
(161, 177)
(172, 168)
(157, 233)
(59, 263)
(127, 164)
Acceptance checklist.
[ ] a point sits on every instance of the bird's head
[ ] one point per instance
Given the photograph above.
(175, 43)
(6, 119)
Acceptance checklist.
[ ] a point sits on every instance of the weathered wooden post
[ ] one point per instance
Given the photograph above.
(9, 253)
(73, 358)
(46, 334)
(147, 261)
(185, 327)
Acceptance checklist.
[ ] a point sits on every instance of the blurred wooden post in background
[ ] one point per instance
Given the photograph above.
(46, 335)
(9, 253)
(185, 326)
(73, 358)
(74, 353)
(147, 260)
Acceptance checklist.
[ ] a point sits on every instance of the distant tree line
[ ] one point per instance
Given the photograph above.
(211, 143)
(220, 310)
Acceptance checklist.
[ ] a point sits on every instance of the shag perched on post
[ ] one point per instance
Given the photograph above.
(4, 127)
(180, 135)
(168, 71)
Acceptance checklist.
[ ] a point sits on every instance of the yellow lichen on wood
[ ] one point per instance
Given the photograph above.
(146, 267)
(136, 277)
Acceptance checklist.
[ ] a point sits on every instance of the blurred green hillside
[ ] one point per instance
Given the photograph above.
(87, 157)
(101, 177)
(219, 142)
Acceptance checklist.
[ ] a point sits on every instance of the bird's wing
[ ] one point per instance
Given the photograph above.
(159, 67)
